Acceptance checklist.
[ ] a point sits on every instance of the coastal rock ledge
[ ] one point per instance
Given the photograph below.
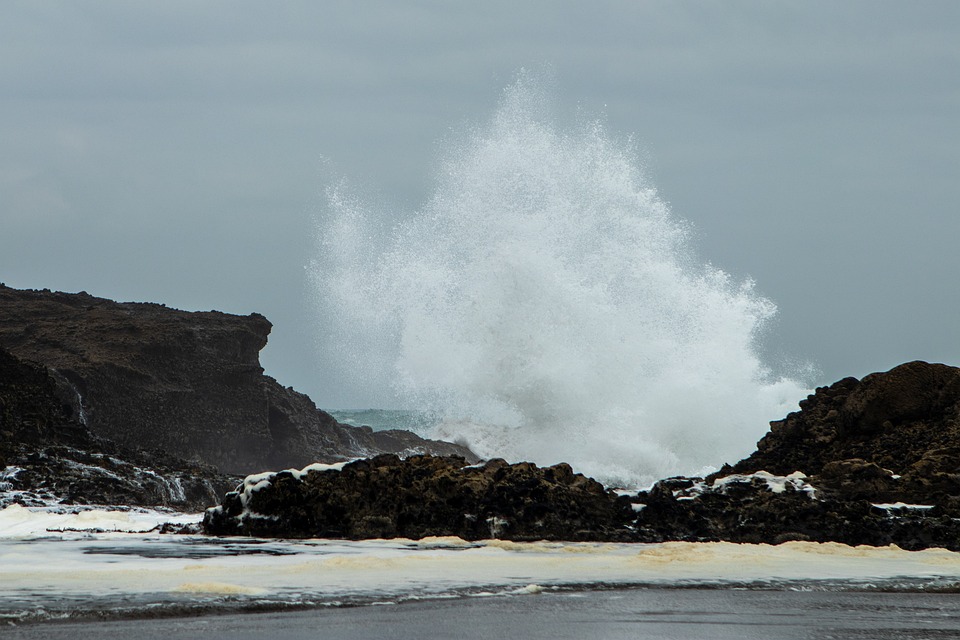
(386, 497)
(873, 461)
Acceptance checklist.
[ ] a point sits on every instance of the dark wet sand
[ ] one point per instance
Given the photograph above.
(663, 614)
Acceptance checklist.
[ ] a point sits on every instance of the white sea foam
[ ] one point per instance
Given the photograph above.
(777, 484)
(546, 305)
(896, 506)
(56, 572)
(17, 521)
(53, 564)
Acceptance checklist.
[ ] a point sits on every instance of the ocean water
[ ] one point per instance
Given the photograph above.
(648, 613)
(546, 304)
(383, 419)
(102, 565)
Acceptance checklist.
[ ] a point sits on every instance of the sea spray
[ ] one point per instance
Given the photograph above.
(545, 304)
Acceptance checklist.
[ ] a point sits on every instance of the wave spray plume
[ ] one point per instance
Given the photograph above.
(545, 305)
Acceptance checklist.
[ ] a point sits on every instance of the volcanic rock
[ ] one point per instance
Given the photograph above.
(893, 419)
(48, 457)
(762, 508)
(186, 383)
(386, 497)
(873, 461)
(892, 435)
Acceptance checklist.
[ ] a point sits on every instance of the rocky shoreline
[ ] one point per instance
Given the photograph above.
(49, 457)
(389, 497)
(873, 461)
(103, 402)
(137, 404)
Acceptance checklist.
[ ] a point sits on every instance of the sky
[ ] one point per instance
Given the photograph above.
(178, 152)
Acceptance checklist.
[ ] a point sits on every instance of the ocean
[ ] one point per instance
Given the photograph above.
(381, 419)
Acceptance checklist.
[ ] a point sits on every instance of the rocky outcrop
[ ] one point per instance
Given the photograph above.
(130, 403)
(186, 383)
(855, 435)
(48, 457)
(873, 461)
(386, 497)
(763, 508)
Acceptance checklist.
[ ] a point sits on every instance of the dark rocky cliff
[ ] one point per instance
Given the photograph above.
(187, 383)
(48, 457)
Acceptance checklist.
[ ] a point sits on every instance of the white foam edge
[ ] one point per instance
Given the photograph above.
(887, 506)
(17, 521)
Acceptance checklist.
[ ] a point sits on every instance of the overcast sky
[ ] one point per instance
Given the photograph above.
(177, 151)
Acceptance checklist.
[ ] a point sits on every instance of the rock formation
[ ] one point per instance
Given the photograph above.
(186, 383)
(874, 461)
(878, 462)
(131, 403)
(386, 497)
(48, 457)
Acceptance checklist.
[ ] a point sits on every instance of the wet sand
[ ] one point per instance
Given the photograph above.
(637, 614)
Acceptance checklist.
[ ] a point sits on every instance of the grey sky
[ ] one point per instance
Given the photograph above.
(176, 152)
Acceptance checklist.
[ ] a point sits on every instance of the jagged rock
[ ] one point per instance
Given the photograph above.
(47, 457)
(894, 420)
(883, 459)
(893, 436)
(752, 509)
(386, 497)
(187, 383)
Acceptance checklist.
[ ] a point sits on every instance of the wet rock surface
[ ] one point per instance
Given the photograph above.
(48, 457)
(188, 384)
(746, 509)
(386, 497)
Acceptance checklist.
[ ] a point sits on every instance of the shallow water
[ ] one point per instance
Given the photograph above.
(91, 566)
(636, 614)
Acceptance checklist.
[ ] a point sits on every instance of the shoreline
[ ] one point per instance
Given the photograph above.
(614, 614)
(97, 578)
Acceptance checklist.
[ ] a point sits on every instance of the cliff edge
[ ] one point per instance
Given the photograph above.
(190, 384)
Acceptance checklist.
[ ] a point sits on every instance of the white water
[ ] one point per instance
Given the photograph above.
(546, 305)
(52, 566)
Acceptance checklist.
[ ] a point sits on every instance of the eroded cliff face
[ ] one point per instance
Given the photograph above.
(187, 383)
(48, 457)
